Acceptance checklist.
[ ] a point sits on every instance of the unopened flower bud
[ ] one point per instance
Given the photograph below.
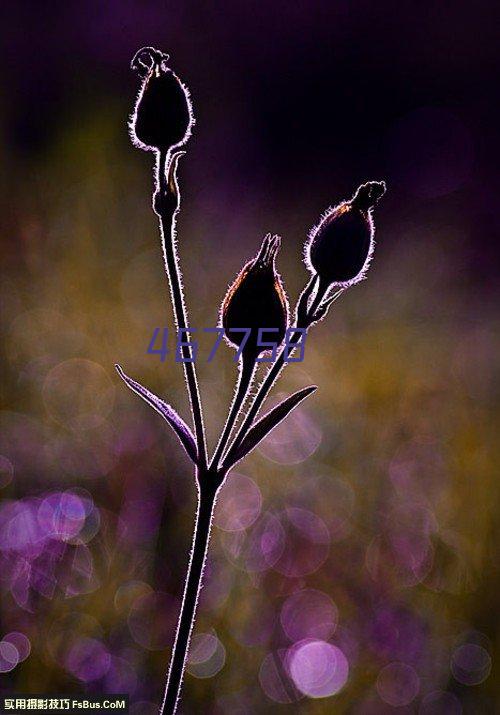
(340, 247)
(256, 299)
(163, 116)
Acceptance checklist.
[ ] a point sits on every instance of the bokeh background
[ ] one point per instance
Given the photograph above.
(354, 560)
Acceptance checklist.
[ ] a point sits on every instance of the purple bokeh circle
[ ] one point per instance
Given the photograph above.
(398, 684)
(317, 668)
(309, 614)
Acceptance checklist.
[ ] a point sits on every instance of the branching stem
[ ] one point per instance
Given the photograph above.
(209, 478)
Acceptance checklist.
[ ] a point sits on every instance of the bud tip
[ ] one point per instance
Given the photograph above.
(367, 195)
(145, 58)
(268, 250)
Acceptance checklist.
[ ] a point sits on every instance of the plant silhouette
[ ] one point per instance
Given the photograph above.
(337, 254)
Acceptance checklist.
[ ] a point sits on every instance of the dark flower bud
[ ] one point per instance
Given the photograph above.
(341, 246)
(256, 299)
(163, 115)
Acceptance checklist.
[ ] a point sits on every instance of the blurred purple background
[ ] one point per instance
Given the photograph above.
(354, 564)
(303, 99)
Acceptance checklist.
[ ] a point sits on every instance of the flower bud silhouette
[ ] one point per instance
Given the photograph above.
(341, 246)
(162, 118)
(256, 299)
(254, 316)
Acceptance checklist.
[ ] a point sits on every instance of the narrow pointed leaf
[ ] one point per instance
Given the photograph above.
(267, 423)
(166, 411)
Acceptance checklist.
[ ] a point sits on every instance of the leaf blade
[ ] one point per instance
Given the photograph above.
(168, 413)
(266, 424)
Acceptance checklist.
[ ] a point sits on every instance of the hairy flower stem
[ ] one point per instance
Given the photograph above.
(167, 231)
(208, 483)
(166, 204)
(261, 395)
(321, 291)
(246, 374)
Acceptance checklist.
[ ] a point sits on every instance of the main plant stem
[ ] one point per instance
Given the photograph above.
(207, 493)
